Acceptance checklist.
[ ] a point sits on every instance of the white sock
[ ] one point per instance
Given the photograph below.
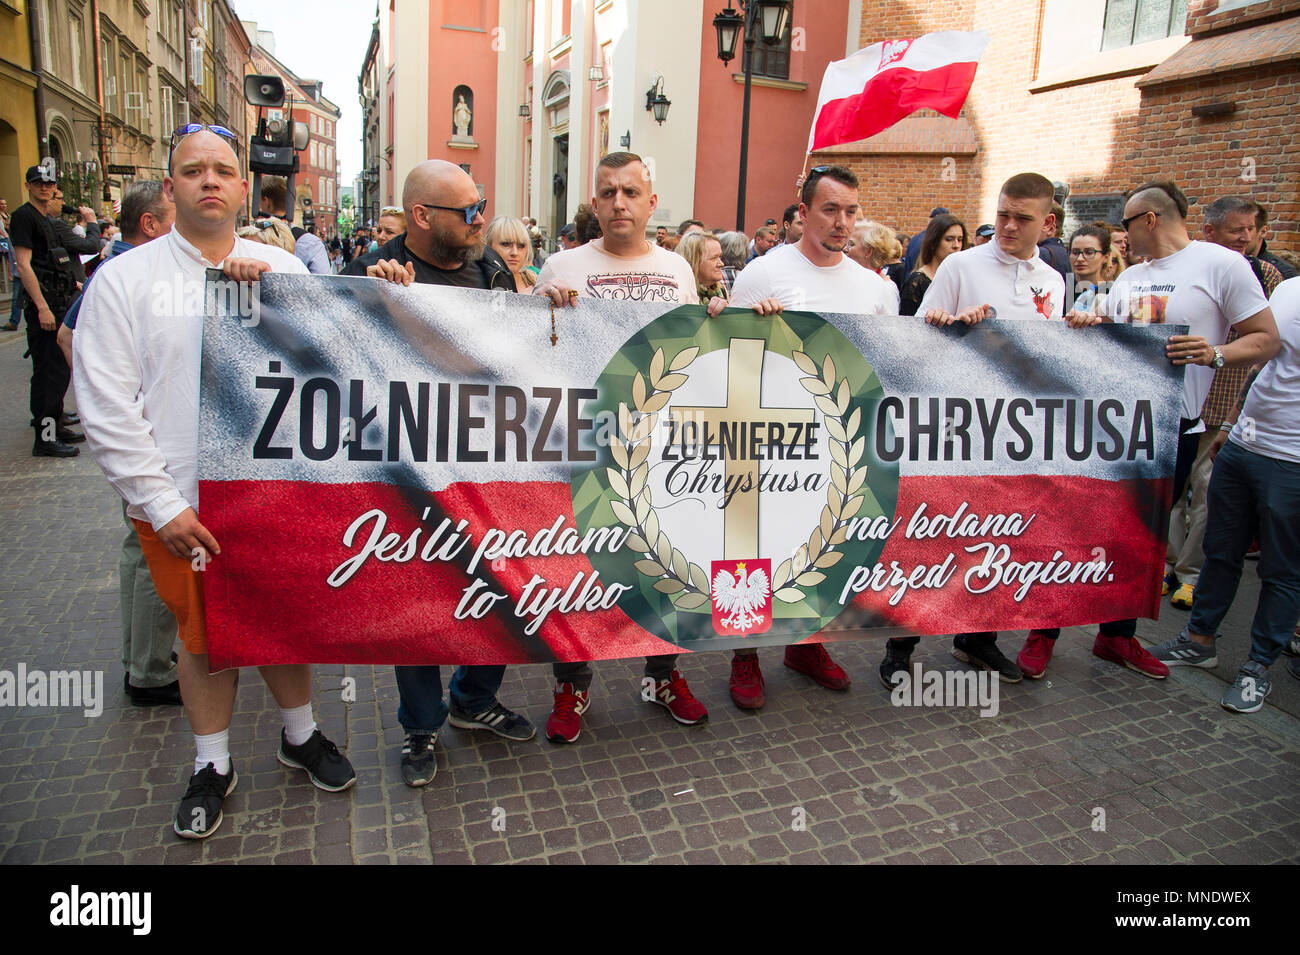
(298, 724)
(215, 749)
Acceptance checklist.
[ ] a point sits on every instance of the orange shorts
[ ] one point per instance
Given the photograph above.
(178, 584)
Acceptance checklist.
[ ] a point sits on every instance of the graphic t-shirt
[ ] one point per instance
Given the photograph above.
(786, 275)
(986, 275)
(1270, 422)
(656, 276)
(1204, 286)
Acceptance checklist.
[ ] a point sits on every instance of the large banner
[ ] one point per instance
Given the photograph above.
(436, 475)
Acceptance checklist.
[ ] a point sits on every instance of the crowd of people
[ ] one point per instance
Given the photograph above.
(136, 362)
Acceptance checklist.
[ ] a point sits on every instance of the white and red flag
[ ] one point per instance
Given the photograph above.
(868, 92)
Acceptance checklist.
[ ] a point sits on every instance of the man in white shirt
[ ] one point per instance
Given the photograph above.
(137, 365)
(1005, 279)
(1255, 488)
(1210, 289)
(812, 274)
(621, 264)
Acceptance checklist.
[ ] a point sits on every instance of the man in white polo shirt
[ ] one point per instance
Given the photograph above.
(1003, 279)
(137, 356)
(812, 274)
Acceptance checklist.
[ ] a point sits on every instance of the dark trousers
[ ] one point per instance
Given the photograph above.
(1251, 493)
(579, 673)
(50, 377)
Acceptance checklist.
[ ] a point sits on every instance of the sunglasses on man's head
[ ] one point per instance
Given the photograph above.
(189, 128)
(469, 212)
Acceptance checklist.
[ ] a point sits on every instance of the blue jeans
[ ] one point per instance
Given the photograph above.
(1251, 492)
(17, 304)
(422, 709)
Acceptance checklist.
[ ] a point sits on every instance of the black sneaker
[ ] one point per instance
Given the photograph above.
(419, 764)
(200, 810)
(987, 656)
(498, 719)
(321, 760)
(894, 662)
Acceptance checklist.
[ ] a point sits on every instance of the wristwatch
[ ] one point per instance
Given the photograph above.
(1218, 359)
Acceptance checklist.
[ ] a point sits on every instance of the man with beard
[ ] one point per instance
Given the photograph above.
(443, 245)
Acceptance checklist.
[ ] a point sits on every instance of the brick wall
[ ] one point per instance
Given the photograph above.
(1100, 136)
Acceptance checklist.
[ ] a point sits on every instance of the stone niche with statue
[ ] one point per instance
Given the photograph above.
(462, 119)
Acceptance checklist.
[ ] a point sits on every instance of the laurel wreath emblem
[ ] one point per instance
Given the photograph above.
(685, 583)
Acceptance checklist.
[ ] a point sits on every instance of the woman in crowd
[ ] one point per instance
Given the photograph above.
(704, 252)
(509, 238)
(1090, 254)
(735, 252)
(944, 235)
(876, 247)
(270, 231)
(391, 224)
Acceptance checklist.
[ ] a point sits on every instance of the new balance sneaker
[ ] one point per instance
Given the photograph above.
(1182, 598)
(320, 759)
(1246, 695)
(498, 719)
(894, 662)
(1292, 648)
(1171, 581)
(986, 655)
(1035, 655)
(419, 763)
(675, 696)
(1127, 651)
(565, 722)
(1293, 667)
(1183, 651)
(746, 681)
(812, 660)
(199, 814)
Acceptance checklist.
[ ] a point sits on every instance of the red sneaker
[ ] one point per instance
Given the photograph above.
(1129, 652)
(1035, 655)
(813, 660)
(565, 722)
(674, 695)
(746, 681)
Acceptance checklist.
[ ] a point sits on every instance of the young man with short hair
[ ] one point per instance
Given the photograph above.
(1006, 278)
(137, 370)
(811, 275)
(623, 203)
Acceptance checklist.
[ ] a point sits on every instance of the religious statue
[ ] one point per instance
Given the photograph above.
(461, 117)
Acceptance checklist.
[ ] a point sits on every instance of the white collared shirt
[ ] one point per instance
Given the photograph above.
(787, 275)
(986, 275)
(137, 353)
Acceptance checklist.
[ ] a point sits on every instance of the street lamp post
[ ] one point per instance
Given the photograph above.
(770, 17)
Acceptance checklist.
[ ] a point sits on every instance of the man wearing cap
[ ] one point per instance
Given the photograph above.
(569, 237)
(46, 271)
(983, 234)
(914, 244)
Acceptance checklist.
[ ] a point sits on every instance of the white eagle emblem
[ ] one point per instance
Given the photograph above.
(739, 597)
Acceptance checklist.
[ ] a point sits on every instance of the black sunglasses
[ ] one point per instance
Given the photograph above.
(469, 212)
(1125, 222)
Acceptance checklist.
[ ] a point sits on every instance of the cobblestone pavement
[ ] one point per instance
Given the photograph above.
(1179, 779)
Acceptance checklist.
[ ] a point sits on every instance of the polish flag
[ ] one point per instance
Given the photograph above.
(874, 88)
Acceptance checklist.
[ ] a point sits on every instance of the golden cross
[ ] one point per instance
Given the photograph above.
(744, 403)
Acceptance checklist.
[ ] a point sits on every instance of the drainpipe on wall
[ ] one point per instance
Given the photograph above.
(99, 96)
(34, 39)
